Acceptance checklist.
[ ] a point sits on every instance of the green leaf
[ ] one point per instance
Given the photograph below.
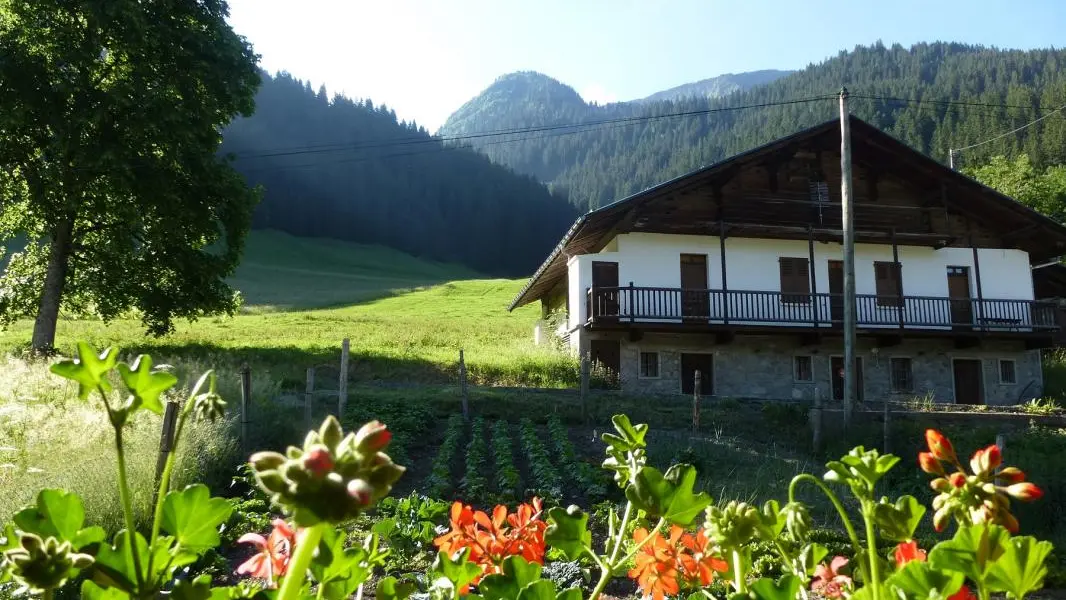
(670, 496)
(92, 591)
(517, 574)
(197, 589)
(340, 570)
(390, 588)
(811, 556)
(771, 521)
(542, 589)
(573, 593)
(899, 521)
(456, 569)
(568, 530)
(193, 517)
(767, 589)
(56, 513)
(146, 385)
(113, 567)
(89, 370)
(921, 581)
(1021, 568)
(89, 536)
(971, 552)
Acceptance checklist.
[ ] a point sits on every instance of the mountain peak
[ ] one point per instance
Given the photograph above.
(721, 85)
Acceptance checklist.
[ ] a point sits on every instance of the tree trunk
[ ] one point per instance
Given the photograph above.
(44, 329)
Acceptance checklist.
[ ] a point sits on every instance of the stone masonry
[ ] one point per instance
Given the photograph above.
(762, 367)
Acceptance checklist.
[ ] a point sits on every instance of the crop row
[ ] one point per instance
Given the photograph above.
(586, 476)
(475, 485)
(548, 484)
(508, 482)
(439, 482)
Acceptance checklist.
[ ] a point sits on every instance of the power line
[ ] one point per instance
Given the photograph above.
(945, 102)
(588, 125)
(1012, 131)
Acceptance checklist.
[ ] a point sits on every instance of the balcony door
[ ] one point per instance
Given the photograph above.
(604, 290)
(836, 292)
(959, 293)
(836, 363)
(695, 297)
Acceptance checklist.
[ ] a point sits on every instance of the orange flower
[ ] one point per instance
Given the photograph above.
(908, 551)
(701, 564)
(964, 593)
(655, 567)
(939, 446)
(490, 540)
(272, 560)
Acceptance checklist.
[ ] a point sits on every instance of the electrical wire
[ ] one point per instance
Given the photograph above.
(1012, 131)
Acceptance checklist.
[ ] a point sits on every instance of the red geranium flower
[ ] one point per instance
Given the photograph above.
(272, 560)
(908, 551)
(829, 581)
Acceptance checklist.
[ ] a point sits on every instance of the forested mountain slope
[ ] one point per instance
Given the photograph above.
(716, 87)
(606, 162)
(348, 170)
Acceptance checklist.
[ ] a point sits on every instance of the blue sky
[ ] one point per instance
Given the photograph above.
(425, 58)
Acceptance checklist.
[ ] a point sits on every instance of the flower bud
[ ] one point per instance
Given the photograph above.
(797, 520)
(940, 484)
(1024, 491)
(930, 464)
(1011, 475)
(361, 491)
(262, 461)
(372, 437)
(957, 479)
(940, 519)
(1009, 522)
(317, 461)
(986, 460)
(939, 446)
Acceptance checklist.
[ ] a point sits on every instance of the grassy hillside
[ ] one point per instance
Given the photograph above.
(406, 318)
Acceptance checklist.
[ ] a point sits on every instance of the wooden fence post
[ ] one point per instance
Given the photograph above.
(166, 438)
(462, 385)
(584, 388)
(1001, 442)
(309, 397)
(246, 403)
(342, 385)
(816, 422)
(888, 428)
(696, 403)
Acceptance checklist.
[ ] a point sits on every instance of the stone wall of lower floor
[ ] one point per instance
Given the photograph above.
(765, 367)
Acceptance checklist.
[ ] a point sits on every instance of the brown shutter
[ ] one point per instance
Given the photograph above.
(795, 280)
(887, 276)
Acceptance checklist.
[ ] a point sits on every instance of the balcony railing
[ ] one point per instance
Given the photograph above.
(665, 305)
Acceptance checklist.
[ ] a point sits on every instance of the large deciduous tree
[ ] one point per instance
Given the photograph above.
(111, 114)
(1044, 191)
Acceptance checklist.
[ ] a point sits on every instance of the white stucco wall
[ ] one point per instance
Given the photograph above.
(652, 260)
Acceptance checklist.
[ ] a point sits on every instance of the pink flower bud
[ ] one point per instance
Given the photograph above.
(940, 446)
(317, 461)
(930, 464)
(372, 437)
(986, 459)
(361, 491)
(957, 479)
(1025, 491)
(1011, 475)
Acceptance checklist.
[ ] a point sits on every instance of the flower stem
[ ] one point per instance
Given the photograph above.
(871, 543)
(127, 507)
(301, 559)
(738, 573)
(607, 570)
(832, 498)
(164, 483)
(629, 556)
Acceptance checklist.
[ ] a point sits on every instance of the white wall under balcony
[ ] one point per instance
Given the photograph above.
(652, 260)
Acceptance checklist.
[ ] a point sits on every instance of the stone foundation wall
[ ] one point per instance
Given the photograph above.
(762, 367)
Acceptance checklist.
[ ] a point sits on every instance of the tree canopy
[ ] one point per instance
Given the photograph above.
(109, 177)
(1042, 190)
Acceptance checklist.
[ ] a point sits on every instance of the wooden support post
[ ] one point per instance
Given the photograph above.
(888, 427)
(696, 403)
(166, 438)
(342, 384)
(246, 404)
(309, 398)
(979, 313)
(848, 221)
(898, 274)
(462, 385)
(631, 302)
(725, 280)
(814, 280)
(816, 423)
(585, 372)
(1001, 442)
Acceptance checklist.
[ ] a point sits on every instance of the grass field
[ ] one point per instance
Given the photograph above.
(406, 318)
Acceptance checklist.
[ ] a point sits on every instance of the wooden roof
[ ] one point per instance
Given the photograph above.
(767, 213)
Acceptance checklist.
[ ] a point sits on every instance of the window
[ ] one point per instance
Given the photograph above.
(1007, 372)
(649, 365)
(902, 377)
(819, 190)
(795, 280)
(888, 277)
(802, 369)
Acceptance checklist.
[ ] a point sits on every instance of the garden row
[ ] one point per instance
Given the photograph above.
(486, 462)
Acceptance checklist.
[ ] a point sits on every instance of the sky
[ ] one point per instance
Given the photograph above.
(425, 58)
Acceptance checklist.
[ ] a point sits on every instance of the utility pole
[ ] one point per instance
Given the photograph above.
(951, 158)
(847, 218)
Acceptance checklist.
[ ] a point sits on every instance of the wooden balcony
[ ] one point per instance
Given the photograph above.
(734, 310)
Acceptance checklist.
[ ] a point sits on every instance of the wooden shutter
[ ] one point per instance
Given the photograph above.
(795, 280)
(887, 276)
